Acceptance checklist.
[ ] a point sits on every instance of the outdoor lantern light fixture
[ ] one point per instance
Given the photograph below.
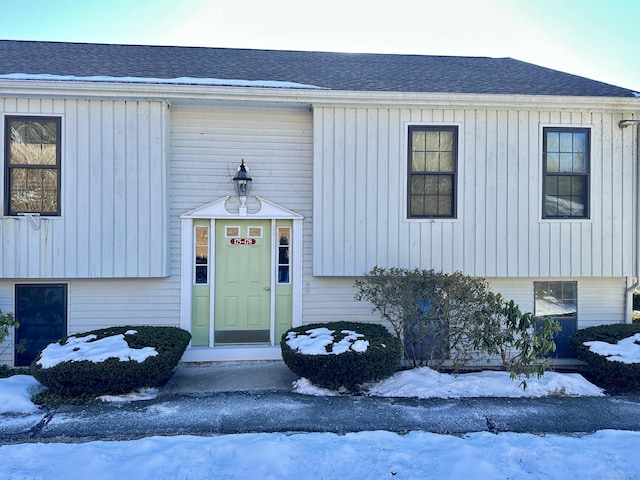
(242, 184)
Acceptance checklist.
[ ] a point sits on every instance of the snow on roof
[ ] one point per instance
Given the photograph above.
(163, 81)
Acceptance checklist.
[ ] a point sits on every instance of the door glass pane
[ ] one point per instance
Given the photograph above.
(284, 247)
(201, 247)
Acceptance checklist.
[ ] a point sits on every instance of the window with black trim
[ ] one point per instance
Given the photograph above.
(566, 164)
(32, 165)
(433, 164)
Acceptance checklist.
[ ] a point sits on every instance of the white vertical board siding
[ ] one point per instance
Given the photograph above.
(113, 195)
(360, 196)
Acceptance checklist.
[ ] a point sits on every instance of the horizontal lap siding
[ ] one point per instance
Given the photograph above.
(113, 195)
(600, 300)
(360, 189)
(207, 146)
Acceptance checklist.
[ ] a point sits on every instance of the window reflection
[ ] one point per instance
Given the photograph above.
(284, 246)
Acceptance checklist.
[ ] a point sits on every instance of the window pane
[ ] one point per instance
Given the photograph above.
(566, 142)
(201, 274)
(432, 184)
(580, 142)
(418, 163)
(553, 142)
(432, 141)
(202, 254)
(433, 162)
(202, 235)
(417, 184)
(33, 143)
(566, 162)
(431, 205)
(34, 190)
(556, 299)
(445, 206)
(418, 142)
(553, 162)
(446, 141)
(579, 163)
(445, 186)
(417, 205)
(446, 162)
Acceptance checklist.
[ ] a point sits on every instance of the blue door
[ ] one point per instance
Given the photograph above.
(41, 310)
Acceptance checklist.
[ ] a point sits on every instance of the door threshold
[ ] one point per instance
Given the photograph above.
(232, 352)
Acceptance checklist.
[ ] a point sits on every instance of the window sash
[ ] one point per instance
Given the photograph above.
(433, 159)
(566, 170)
(32, 165)
(558, 300)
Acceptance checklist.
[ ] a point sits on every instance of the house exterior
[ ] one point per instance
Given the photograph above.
(118, 202)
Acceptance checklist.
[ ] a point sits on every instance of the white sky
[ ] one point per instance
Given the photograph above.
(593, 38)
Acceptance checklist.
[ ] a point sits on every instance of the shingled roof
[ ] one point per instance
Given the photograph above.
(335, 71)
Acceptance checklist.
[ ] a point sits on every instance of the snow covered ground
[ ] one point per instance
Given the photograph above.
(324, 456)
(364, 455)
(609, 454)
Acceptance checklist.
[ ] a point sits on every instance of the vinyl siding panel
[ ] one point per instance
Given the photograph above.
(113, 195)
(207, 145)
(600, 301)
(360, 196)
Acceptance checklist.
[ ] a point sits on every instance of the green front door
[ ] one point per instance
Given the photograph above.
(242, 282)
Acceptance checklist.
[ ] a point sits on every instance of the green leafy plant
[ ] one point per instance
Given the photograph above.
(86, 378)
(435, 314)
(522, 340)
(349, 369)
(7, 321)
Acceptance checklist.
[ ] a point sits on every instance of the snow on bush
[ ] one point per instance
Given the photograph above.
(316, 340)
(626, 350)
(90, 348)
(341, 354)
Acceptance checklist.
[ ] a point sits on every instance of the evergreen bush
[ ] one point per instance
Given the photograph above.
(112, 376)
(613, 376)
(351, 368)
(436, 314)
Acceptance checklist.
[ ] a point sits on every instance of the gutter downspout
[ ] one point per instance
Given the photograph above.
(628, 314)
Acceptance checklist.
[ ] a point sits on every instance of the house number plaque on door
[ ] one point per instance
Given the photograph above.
(243, 241)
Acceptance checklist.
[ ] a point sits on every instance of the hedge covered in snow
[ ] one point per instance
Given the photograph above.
(341, 354)
(111, 361)
(612, 355)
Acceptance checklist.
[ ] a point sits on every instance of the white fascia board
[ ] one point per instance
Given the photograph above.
(178, 93)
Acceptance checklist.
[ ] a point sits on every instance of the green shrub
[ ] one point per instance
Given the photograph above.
(436, 314)
(7, 321)
(615, 377)
(87, 378)
(522, 340)
(349, 369)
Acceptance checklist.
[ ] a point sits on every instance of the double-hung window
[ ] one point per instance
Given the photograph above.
(32, 165)
(566, 164)
(433, 164)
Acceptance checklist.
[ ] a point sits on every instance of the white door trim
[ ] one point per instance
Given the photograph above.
(218, 210)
